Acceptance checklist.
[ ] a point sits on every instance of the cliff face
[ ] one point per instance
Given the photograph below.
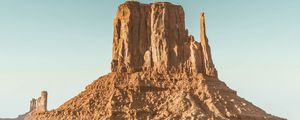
(154, 38)
(158, 72)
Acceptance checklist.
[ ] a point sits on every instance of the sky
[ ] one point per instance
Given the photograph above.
(63, 45)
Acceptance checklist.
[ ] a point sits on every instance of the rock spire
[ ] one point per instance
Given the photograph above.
(209, 67)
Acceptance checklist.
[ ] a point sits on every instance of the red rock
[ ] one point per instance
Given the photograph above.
(209, 67)
(153, 37)
(158, 72)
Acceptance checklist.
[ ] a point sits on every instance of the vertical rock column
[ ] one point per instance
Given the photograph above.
(32, 104)
(209, 67)
(131, 37)
(40, 104)
(168, 36)
(148, 37)
(43, 101)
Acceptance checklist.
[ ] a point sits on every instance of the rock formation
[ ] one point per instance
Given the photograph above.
(154, 38)
(40, 104)
(159, 71)
(36, 106)
(209, 67)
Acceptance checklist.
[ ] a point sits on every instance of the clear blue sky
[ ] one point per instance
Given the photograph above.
(63, 45)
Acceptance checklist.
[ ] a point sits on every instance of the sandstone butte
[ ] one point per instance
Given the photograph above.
(158, 71)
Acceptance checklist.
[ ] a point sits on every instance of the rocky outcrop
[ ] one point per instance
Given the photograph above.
(40, 104)
(158, 72)
(36, 106)
(153, 37)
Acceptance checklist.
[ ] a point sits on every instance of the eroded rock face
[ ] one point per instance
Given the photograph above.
(153, 37)
(158, 72)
